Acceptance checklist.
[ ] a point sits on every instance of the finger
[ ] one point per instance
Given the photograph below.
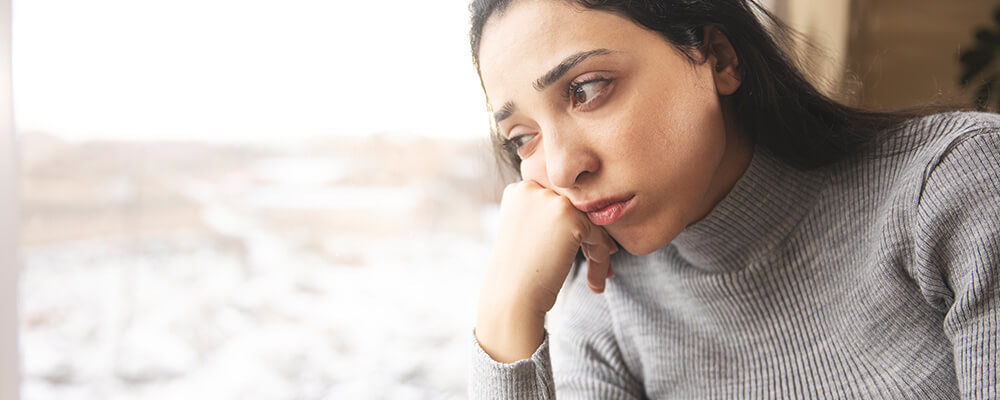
(585, 250)
(597, 249)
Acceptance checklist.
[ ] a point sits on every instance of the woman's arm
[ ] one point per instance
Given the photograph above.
(588, 361)
(539, 235)
(957, 253)
(530, 378)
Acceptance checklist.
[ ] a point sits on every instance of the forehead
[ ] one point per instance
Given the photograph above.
(532, 36)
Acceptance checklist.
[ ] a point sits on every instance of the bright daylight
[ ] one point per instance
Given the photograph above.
(248, 200)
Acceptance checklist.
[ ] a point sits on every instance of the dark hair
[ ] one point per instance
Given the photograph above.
(775, 104)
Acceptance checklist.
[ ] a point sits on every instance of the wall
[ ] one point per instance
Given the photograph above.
(885, 53)
(825, 23)
(906, 51)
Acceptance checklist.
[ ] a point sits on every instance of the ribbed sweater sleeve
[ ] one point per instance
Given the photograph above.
(591, 364)
(957, 253)
(530, 378)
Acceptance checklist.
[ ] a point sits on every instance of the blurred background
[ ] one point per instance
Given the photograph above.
(295, 200)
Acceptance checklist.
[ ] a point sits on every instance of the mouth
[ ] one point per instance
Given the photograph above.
(606, 211)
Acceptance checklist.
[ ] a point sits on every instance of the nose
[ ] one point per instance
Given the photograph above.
(568, 158)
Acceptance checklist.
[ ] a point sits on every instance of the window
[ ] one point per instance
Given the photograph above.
(248, 200)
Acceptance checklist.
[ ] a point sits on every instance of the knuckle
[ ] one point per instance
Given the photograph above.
(564, 206)
(568, 205)
(579, 230)
(509, 191)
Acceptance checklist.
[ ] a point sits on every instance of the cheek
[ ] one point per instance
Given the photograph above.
(639, 126)
(648, 135)
(691, 125)
(657, 115)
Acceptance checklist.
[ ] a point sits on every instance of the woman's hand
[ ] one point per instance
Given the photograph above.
(538, 238)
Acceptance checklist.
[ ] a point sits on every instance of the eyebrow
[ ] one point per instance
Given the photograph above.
(551, 77)
(567, 63)
(506, 111)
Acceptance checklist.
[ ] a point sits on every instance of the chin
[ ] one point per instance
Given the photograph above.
(643, 243)
(640, 250)
(641, 247)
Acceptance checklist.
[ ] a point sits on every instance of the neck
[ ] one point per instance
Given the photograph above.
(757, 213)
(735, 159)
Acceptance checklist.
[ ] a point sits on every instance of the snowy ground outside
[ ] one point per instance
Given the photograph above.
(147, 277)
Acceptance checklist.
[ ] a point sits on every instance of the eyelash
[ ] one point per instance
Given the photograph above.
(576, 85)
(511, 148)
(510, 145)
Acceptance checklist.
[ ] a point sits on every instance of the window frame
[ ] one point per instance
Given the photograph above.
(9, 237)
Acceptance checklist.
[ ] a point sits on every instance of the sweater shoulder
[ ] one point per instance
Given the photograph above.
(957, 212)
(948, 137)
(923, 176)
(933, 136)
(907, 154)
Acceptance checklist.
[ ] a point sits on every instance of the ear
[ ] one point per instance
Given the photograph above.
(722, 57)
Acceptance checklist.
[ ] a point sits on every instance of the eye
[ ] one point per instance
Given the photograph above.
(582, 94)
(519, 138)
(518, 141)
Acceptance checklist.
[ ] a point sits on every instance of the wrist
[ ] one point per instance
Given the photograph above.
(509, 334)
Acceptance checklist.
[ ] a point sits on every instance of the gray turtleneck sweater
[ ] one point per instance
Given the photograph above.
(875, 278)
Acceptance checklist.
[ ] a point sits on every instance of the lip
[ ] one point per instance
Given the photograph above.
(606, 211)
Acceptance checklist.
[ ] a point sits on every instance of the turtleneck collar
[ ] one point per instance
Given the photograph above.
(759, 212)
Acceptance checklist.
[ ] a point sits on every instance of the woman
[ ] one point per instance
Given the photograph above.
(744, 235)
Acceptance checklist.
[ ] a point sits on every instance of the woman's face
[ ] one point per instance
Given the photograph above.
(603, 109)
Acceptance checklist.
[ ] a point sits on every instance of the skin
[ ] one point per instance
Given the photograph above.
(653, 125)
